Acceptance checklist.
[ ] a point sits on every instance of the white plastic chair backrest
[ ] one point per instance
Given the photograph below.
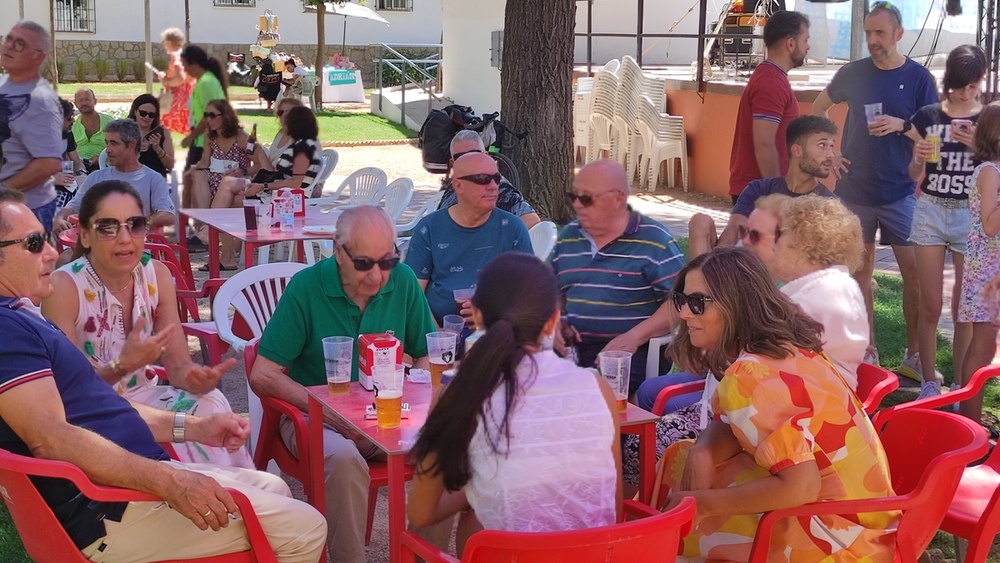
(365, 186)
(429, 206)
(332, 158)
(543, 239)
(397, 196)
(313, 246)
(102, 159)
(254, 293)
(612, 66)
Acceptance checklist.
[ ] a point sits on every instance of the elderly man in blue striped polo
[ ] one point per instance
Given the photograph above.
(616, 269)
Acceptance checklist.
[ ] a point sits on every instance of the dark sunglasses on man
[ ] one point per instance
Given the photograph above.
(366, 264)
(107, 228)
(483, 179)
(586, 200)
(755, 236)
(33, 243)
(695, 301)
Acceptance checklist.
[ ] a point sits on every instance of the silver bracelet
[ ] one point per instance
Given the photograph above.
(179, 427)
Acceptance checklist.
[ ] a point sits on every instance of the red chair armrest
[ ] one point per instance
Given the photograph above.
(411, 544)
(668, 393)
(299, 422)
(637, 509)
(970, 389)
(762, 539)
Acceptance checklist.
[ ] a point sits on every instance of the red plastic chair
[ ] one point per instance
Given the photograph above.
(874, 384)
(270, 446)
(652, 534)
(44, 537)
(927, 451)
(974, 513)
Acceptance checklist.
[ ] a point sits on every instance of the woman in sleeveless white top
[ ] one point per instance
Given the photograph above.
(100, 322)
(526, 440)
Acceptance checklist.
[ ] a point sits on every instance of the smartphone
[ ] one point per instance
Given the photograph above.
(153, 131)
(963, 124)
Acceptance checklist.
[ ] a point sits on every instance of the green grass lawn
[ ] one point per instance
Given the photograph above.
(127, 89)
(334, 126)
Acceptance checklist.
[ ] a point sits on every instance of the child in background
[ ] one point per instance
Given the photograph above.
(979, 305)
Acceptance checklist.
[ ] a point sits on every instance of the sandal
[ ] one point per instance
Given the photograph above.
(222, 268)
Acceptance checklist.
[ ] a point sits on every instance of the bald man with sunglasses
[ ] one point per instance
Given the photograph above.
(450, 246)
(616, 268)
(361, 289)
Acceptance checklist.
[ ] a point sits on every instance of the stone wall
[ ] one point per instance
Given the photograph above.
(89, 52)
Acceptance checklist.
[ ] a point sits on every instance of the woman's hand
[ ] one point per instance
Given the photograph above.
(921, 150)
(251, 189)
(139, 351)
(202, 379)
(965, 134)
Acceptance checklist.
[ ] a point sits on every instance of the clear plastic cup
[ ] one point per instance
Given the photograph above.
(388, 381)
(616, 367)
(441, 353)
(872, 111)
(338, 353)
(453, 323)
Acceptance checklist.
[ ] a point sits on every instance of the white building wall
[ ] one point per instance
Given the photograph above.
(468, 78)
(123, 20)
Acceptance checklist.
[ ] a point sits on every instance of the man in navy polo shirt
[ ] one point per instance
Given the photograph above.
(810, 150)
(874, 180)
(616, 268)
(53, 405)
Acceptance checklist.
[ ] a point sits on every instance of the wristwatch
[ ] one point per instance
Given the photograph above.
(267, 186)
(179, 427)
(907, 125)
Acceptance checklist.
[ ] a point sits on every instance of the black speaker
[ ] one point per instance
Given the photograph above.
(953, 8)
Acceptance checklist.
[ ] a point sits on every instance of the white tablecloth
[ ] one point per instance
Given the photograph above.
(346, 85)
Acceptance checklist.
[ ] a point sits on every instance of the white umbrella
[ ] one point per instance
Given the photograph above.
(350, 9)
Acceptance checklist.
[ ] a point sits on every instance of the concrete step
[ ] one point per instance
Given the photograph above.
(418, 105)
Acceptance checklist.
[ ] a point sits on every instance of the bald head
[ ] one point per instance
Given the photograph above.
(607, 173)
(474, 163)
(364, 221)
(85, 100)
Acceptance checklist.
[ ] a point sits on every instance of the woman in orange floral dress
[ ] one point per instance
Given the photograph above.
(788, 430)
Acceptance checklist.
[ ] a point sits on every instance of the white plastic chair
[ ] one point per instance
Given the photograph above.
(254, 294)
(365, 186)
(429, 206)
(543, 239)
(397, 196)
(102, 159)
(663, 139)
(656, 345)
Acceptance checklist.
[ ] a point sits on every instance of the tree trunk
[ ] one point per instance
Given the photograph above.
(53, 53)
(536, 94)
(320, 52)
(187, 20)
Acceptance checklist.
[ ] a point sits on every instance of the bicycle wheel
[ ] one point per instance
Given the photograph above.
(506, 168)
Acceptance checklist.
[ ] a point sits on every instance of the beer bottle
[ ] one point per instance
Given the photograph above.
(252, 142)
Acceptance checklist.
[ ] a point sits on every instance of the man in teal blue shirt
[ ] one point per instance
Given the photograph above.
(362, 289)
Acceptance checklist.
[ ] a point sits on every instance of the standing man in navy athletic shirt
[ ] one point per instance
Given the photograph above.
(874, 181)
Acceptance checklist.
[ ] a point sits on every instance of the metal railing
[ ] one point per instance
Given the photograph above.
(390, 57)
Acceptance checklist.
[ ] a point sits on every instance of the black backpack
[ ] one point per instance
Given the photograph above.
(436, 134)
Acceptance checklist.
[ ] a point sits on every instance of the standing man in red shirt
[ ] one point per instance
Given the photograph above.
(767, 106)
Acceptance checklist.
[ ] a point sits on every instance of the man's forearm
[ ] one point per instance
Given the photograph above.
(161, 219)
(658, 324)
(271, 381)
(35, 173)
(767, 160)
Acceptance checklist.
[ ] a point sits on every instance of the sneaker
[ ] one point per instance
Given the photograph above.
(911, 368)
(929, 389)
(871, 356)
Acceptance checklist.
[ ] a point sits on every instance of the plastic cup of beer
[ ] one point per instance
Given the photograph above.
(453, 323)
(463, 295)
(935, 141)
(441, 352)
(616, 365)
(872, 111)
(338, 353)
(388, 394)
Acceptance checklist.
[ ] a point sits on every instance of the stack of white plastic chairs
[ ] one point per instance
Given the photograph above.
(663, 140)
(630, 86)
(602, 135)
(582, 92)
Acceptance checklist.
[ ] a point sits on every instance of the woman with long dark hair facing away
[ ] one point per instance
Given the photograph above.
(788, 430)
(527, 440)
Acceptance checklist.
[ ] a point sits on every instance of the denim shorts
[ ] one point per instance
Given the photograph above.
(893, 220)
(939, 221)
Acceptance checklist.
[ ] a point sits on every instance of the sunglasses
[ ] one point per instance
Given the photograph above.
(280, 112)
(483, 179)
(107, 229)
(211, 114)
(756, 236)
(34, 243)
(461, 154)
(150, 114)
(695, 301)
(366, 264)
(889, 8)
(586, 200)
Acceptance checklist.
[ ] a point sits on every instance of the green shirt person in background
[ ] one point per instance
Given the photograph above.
(210, 85)
(88, 129)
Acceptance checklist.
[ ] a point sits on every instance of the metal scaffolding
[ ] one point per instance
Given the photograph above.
(989, 40)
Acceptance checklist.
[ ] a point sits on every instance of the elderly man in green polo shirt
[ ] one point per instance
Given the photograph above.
(362, 289)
